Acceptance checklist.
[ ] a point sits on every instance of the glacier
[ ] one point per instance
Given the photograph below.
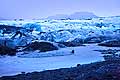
(65, 30)
(87, 32)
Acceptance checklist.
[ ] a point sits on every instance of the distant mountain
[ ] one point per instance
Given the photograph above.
(83, 15)
(58, 16)
(76, 15)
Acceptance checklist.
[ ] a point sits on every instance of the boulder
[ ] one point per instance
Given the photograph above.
(42, 46)
(4, 50)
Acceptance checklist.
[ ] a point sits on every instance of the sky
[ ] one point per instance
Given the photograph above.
(30, 9)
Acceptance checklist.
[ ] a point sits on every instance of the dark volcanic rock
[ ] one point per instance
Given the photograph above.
(110, 54)
(42, 46)
(95, 71)
(110, 43)
(7, 51)
(105, 72)
(108, 51)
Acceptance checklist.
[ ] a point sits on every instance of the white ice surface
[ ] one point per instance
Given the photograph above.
(83, 55)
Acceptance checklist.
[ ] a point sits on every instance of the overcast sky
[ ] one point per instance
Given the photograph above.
(43, 8)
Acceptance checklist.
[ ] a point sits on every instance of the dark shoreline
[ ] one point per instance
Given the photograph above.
(105, 70)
